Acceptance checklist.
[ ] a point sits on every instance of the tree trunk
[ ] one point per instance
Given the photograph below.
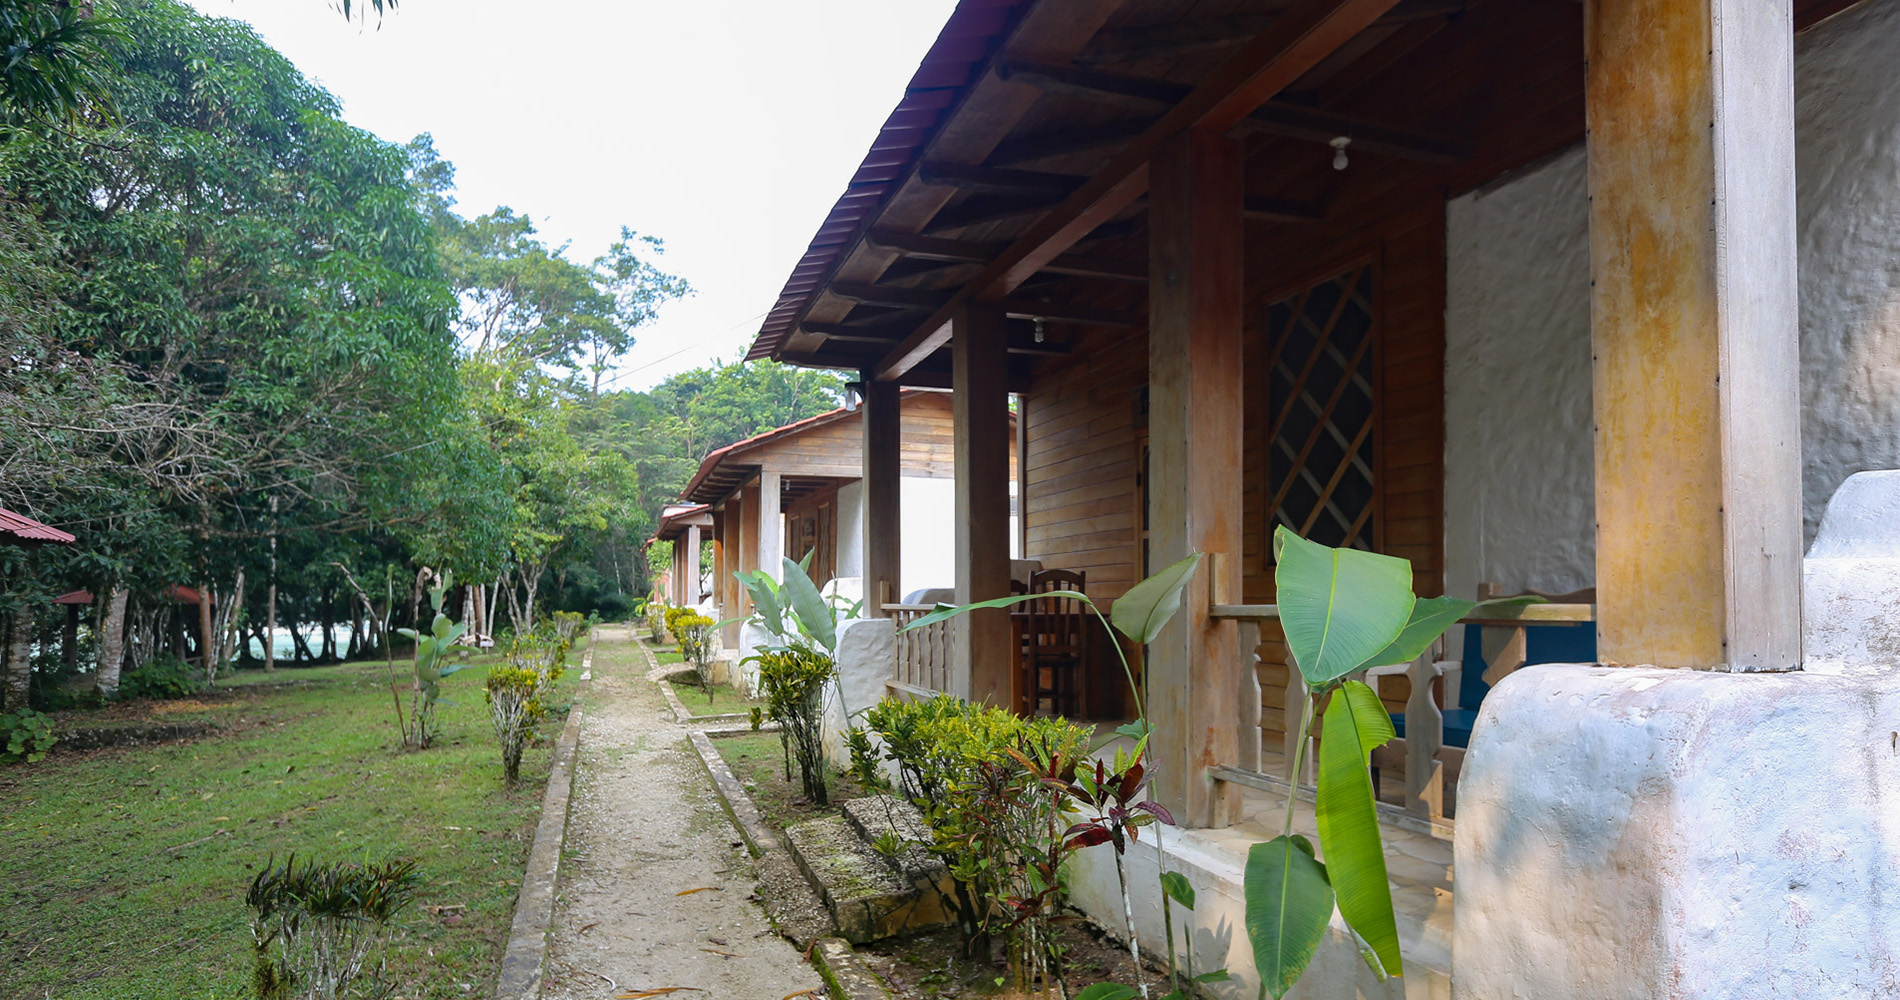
(300, 646)
(111, 642)
(329, 625)
(19, 662)
(270, 622)
(229, 630)
(207, 632)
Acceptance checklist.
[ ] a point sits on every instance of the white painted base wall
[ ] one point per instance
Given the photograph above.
(1518, 447)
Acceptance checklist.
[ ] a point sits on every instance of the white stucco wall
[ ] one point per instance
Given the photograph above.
(1518, 501)
(929, 533)
(851, 529)
(1518, 482)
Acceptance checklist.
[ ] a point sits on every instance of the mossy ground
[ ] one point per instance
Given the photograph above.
(123, 871)
(757, 760)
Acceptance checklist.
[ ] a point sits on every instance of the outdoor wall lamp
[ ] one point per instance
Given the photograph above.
(1339, 145)
(853, 391)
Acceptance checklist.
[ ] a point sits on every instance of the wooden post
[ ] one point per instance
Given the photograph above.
(883, 471)
(1693, 326)
(1022, 476)
(748, 544)
(771, 523)
(984, 663)
(690, 588)
(1196, 425)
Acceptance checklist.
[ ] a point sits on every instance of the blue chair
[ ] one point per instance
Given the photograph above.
(1542, 644)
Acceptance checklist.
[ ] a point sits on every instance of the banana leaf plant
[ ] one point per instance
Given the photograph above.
(431, 665)
(1343, 610)
(795, 611)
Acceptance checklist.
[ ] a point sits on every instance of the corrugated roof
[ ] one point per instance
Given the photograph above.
(963, 48)
(18, 529)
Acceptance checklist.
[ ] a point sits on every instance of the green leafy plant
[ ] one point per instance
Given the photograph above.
(317, 930)
(25, 735)
(699, 645)
(655, 613)
(514, 704)
(431, 665)
(990, 785)
(794, 681)
(569, 626)
(1343, 610)
(1140, 615)
(162, 676)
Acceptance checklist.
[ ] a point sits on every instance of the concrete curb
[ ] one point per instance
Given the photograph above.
(527, 952)
(759, 836)
(844, 974)
(685, 717)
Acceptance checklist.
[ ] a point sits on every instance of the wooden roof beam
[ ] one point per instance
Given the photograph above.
(1028, 182)
(1262, 68)
(1183, 38)
(1274, 117)
(1018, 308)
(1020, 342)
(1045, 145)
(975, 252)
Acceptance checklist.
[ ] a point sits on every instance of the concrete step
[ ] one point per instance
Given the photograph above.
(872, 895)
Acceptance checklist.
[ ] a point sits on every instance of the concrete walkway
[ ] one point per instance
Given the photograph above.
(643, 830)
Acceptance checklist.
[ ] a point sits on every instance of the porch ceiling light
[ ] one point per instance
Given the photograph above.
(853, 391)
(1339, 145)
(1039, 329)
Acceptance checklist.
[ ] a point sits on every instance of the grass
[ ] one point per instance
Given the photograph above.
(758, 762)
(724, 699)
(122, 871)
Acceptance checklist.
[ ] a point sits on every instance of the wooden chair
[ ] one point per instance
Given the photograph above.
(1055, 643)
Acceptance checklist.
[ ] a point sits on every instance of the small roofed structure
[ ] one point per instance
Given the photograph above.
(685, 525)
(24, 532)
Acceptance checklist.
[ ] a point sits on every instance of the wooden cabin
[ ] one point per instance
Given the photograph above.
(1350, 266)
(796, 491)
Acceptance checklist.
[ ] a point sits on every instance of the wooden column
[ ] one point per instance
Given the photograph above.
(1693, 328)
(883, 472)
(691, 564)
(1196, 422)
(985, 663)
(719, 573)
(771, 524)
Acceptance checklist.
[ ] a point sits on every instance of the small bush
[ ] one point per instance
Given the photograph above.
(699, 645)
(514, 703)
(25, 735)
(794, 680)
(161, 677)
(317, 930)
(655, 614)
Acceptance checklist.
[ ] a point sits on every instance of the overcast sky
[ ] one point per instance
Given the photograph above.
(725, 127)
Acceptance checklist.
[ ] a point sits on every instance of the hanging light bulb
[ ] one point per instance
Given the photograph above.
(1039, 322)
(1339, 145)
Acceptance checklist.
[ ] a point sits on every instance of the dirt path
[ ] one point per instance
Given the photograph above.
(643, 829)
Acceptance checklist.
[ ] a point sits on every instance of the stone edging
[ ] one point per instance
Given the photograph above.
(844, 973)
(759, 836)
(526, 955)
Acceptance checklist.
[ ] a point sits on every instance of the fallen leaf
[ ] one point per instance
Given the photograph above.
(800, 993)
(703, 888)
(662, 991)
(727, 954)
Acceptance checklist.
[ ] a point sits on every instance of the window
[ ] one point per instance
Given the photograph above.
(1322, 411)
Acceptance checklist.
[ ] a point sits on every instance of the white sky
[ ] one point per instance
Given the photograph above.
(725, 127)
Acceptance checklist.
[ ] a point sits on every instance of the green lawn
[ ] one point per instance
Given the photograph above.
(724, 699)
(122, 871)
(758, 761)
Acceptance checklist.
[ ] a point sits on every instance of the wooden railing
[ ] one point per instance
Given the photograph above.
(923, 656)
(1431, 768)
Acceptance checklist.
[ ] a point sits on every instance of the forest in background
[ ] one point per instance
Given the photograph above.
(252, 350)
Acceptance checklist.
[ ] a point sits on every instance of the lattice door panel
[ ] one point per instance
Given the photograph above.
(1321, 411)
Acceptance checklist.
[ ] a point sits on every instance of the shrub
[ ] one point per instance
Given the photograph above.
(672, 616)
(699, 646)
(569, 626)
(316, 930)
(794, 680)
(25, 735)
(655, 614)
(514, 703)
(540, 653)
(994, 789)
(161, 676)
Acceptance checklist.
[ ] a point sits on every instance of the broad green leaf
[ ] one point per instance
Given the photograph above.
(1178, 888)
(1107, 991)
(809, 605)
(1338, 606)
(764, 593)
(1356, 723)
(1216, 976)
(1288, 907)
(1141, 613)
(1431, 616)
(946, 612)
